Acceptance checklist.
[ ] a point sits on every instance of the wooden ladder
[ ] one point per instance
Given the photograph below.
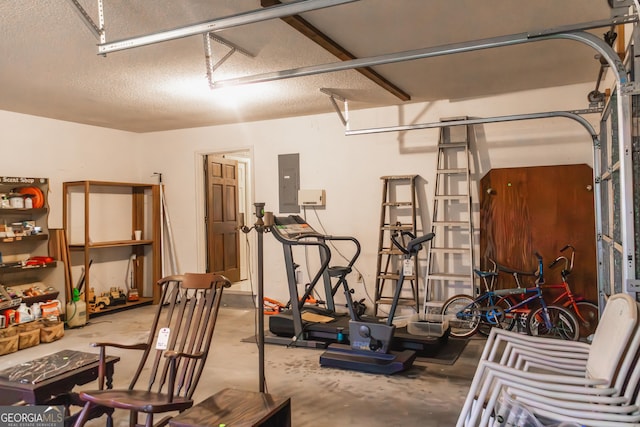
(450, 256)
(397, 213)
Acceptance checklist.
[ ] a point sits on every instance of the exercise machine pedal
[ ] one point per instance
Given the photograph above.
(343, 356)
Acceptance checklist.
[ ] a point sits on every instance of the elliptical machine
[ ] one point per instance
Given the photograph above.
(370, 341)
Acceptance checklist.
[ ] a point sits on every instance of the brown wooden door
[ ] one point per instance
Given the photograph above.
(223, 256)
(543, 208)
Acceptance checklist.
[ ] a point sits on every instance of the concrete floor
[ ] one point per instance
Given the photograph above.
(426, 395)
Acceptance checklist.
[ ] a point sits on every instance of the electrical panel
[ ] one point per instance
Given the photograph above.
(289, 182)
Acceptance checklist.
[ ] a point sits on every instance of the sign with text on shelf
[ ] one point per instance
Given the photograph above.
(21, 180)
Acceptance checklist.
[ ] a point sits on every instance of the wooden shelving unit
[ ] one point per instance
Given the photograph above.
(89, 200)
(16, 249)
(128, 305)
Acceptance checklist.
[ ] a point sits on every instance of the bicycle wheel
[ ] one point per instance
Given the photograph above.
(464, 315)
(564, 324)
(498, 315)
(587, 314)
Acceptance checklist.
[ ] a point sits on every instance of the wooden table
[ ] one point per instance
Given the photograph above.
(42, 380)
(237, 408)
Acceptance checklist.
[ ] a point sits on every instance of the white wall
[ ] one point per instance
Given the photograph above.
(348, 168)
(62, 151)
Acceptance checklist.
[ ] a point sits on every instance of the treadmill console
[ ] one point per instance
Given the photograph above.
(293, 227)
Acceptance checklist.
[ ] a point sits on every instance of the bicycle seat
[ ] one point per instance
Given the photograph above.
(514, 271)
(481, 273)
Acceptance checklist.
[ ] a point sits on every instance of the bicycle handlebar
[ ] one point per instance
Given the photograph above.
(568, 262)
(557, 260)
(540, 279)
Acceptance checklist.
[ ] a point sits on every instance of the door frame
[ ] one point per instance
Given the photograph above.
(244, 155)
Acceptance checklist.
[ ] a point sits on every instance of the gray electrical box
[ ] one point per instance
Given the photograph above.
(289, 182)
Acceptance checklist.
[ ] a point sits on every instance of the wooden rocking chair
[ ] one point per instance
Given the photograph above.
(173, 356)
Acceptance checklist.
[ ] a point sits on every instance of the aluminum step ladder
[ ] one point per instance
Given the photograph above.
(450, 258)
(397, 214)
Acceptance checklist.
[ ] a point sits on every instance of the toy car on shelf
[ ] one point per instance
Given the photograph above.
(117, 296)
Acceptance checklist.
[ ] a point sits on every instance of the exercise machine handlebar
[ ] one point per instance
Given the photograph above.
(414, 245)
(302, 240)
(356, 243)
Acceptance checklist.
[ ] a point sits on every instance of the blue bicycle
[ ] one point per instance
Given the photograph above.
(505, 307)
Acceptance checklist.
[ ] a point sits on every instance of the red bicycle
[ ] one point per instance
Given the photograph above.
(586, 311)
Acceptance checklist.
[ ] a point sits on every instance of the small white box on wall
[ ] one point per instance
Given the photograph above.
(311, 198)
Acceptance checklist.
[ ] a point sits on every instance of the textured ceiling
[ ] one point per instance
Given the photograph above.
(50, 66)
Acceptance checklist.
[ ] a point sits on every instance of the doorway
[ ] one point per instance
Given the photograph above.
(242, 199)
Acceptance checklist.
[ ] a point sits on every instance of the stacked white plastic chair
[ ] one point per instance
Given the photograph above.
(589, 384)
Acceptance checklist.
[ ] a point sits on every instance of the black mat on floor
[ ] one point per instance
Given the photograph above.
(446, 354)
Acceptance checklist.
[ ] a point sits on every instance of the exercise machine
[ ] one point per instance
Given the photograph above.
(353, 340)
(308, 325)
(425, 333)
(381, 347)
